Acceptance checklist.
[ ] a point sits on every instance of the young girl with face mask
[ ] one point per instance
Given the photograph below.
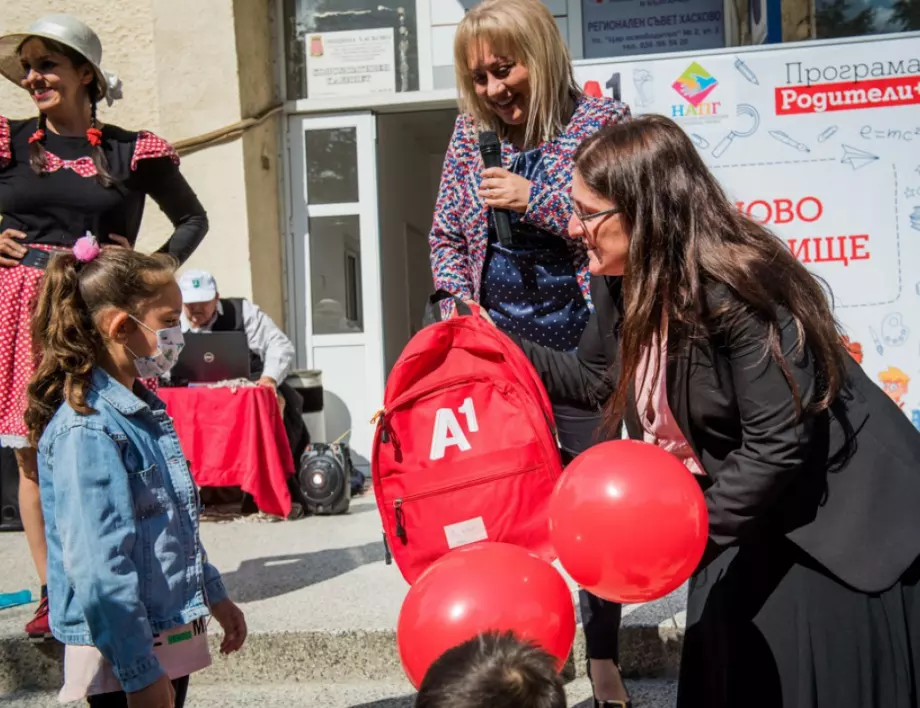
(129, 583)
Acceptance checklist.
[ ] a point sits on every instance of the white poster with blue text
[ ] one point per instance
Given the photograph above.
(821, 143)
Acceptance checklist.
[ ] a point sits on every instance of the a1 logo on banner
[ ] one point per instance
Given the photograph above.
(448, 431)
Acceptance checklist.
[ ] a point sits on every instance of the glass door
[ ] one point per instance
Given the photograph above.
(335, 268)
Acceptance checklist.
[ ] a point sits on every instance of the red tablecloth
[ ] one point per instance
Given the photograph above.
(235, 439)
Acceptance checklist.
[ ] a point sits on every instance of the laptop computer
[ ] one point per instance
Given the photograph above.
(209, 357)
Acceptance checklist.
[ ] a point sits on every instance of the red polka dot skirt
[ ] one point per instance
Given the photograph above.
(19, 288)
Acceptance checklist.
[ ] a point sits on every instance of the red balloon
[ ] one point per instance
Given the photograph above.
(628, 521)
(479, 588)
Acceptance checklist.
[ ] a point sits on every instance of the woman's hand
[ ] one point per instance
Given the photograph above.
(231, 620)
(120, 242)
(502, 189)
(483, 312)
(157, 695)
(10, 251)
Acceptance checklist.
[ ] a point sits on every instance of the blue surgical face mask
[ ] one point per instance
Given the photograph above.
(169, 343)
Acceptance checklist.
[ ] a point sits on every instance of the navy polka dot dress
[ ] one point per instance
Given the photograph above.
(530, 288)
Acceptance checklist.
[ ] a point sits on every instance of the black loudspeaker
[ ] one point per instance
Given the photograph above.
(324, 478)
(9, 491)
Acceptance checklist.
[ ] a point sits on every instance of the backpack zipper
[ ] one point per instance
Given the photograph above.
(415, 395)
(401, 530)
(400, 519)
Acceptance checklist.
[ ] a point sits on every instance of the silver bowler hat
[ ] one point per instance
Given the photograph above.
(69, 31)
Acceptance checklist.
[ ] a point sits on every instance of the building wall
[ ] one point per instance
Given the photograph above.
(190, 68)
(258, 82)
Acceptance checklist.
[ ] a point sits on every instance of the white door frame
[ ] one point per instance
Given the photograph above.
(300, 308)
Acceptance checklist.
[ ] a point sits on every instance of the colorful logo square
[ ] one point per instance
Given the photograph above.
(695, 84)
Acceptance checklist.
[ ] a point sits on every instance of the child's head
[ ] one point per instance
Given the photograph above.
(493, 671)
(103, 312)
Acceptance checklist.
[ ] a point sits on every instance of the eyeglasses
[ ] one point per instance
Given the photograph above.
(596, 214)
(585, 218)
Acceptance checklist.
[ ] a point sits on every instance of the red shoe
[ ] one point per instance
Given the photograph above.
(38, 629)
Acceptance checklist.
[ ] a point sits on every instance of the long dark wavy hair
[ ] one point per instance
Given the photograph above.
(65, 325)
(686, 237)
(37, 158)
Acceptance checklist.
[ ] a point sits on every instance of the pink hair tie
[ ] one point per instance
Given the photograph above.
(86, 248)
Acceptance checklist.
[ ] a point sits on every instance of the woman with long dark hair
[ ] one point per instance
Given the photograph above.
(63, 174)
(711, 340)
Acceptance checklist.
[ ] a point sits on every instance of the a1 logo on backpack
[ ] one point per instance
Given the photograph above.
(449, 432)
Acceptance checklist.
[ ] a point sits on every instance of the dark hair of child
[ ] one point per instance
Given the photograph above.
(493, 670)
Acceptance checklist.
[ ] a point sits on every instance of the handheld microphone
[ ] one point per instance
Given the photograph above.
(491, 150)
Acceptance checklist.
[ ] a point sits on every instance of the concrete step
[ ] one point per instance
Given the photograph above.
(279, 657)
(321, 606)
(367, 694)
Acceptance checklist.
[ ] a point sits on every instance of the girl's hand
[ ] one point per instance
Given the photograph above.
(157, 695)
(502, 189)
(10, 251)
(231, 620)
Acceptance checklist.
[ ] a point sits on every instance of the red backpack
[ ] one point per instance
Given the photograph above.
(465, 447)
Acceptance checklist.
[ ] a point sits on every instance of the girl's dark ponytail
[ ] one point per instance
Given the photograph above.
(68, 344)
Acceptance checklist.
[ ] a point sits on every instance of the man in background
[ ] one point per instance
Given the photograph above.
(271, 352)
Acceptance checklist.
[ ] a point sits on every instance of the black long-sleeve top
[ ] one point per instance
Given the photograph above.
(842, 484)
(66, 200)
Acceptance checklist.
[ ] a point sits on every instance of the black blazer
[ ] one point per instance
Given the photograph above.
(843, 485)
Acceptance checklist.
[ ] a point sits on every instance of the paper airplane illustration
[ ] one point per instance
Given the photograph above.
(856, 158)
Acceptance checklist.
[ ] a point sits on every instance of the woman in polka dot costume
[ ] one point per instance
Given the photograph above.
(63, 174)
(515, 78)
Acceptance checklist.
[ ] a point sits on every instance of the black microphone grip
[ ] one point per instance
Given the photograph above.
(491, 150)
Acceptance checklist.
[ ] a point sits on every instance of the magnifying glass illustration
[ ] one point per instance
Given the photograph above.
(744, 109)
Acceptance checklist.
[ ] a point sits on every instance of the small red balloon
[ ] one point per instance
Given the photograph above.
(628, 521)
(480, 588)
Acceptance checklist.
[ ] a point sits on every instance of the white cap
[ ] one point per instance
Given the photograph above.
(197, 286)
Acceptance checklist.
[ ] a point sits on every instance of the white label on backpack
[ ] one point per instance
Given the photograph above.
(466, 532)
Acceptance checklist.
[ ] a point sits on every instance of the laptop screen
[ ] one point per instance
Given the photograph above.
(209, 357)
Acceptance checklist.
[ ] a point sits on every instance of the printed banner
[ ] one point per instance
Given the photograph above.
(821, 143)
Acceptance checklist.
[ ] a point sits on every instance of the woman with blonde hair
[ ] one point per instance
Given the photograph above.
(515, 78)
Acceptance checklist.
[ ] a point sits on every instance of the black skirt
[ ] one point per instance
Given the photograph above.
(768, 627)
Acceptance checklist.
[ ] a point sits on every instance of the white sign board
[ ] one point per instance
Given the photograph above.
(350, 63)
(820, 142)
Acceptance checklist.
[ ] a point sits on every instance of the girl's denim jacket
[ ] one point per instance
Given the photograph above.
(125, 560)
